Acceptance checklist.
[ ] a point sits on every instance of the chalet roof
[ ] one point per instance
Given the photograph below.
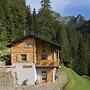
(36, 37)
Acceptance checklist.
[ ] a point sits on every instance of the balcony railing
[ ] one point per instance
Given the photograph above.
(46, 63)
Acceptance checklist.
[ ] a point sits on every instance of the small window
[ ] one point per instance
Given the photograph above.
(29, 46)
(44, 56)
(24, 57)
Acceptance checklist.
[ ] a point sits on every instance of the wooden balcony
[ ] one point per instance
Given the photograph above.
(46, 63)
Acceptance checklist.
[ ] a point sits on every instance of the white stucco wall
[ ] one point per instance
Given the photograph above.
(54, 73)
(39, 76)
(23, 74)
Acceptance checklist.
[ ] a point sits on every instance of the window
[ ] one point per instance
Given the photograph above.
(29, 46)
(24, 57)
(44, 56)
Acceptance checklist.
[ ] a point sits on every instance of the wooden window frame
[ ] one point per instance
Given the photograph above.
(24, 56)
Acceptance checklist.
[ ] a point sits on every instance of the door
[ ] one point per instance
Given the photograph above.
(50, 76)
(44, 75)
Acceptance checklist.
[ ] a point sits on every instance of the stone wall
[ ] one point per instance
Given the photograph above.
(6, 79)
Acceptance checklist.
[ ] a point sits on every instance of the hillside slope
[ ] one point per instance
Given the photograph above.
(75, 82)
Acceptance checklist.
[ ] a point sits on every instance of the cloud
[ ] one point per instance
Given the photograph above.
(65, 7)
(56, 4)
(72, 7)
(60, 4)
(81, 3)
(33, 4)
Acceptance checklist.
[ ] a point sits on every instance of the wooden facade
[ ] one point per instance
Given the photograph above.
(43, 54)
(23, 48)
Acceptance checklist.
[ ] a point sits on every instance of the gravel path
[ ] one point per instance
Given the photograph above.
(58, 85)
(6, 83)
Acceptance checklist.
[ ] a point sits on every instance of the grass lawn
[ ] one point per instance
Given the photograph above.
(76, 82)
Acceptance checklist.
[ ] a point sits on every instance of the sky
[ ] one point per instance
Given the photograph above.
(66, 7)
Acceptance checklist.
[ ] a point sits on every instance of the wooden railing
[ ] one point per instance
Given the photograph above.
(46, 63)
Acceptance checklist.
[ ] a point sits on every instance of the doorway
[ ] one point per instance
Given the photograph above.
(44, 75)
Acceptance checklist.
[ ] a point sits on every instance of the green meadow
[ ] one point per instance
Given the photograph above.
(75, 81)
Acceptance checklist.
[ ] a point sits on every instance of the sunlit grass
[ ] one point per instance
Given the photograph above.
(75, 81)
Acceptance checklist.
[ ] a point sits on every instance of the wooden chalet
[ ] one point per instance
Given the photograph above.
(43, 54)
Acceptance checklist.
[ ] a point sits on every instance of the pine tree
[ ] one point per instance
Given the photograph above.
(45, 4)
(65, 50)
(29, 20)
(45, 9)
(46, 20)
(35, 22)
(3, 37)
